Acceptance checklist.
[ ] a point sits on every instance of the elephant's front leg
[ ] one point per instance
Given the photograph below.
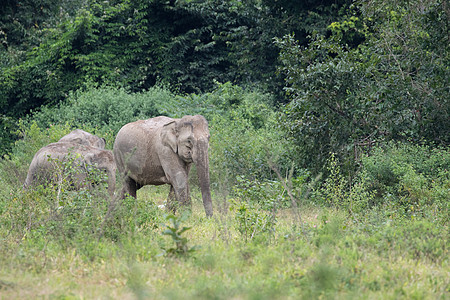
(181, 188)
(176, 173)
(171, 201)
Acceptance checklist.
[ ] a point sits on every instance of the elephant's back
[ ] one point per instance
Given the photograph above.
(153, 123)
(60, 150)
(139, 131)
(54, 150)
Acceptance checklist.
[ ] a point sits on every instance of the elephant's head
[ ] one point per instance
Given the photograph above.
(189, 138)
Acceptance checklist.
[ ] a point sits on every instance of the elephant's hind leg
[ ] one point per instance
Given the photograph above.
(129, 187)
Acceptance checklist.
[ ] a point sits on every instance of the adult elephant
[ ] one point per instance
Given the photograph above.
(160, 151)
(73, 161)
(85, 138)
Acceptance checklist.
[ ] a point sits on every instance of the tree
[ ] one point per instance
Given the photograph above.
(379, 75)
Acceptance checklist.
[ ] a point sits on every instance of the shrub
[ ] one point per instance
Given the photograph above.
(338, 192)
(271, 195)
(245, 137)
(251, 220)
(268, 194)
(103, 109)
(175, 231)
(244, 131)
(409, 175)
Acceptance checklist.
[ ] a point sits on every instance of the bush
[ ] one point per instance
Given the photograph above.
(103, 109)
(412, 176)
(251, 220)
(245, 135)
(268, 194)
(336, 190)
(379, 74)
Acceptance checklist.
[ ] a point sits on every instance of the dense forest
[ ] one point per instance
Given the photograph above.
(329, 150)
(345, 73)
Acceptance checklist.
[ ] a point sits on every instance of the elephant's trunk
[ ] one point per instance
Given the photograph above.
(203, 175)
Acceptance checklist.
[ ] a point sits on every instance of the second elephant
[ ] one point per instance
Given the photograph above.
(53, 162)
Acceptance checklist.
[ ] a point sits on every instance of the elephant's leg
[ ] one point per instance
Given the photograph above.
(177, 175)
(171, 201)
(129, 187)
(181, 188)
(111, 183)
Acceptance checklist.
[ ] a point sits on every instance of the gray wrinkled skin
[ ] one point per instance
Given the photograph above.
(45, 166)
(84, 138)
(160, 151)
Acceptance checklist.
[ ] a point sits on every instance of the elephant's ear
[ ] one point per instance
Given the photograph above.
(169, 136)
(102, 143)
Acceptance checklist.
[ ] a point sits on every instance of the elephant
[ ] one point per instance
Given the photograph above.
(160, 151)
(84, 138)
(49, 161)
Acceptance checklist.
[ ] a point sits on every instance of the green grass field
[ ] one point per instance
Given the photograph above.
(327, 256)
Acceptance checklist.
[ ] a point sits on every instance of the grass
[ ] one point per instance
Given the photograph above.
(332, 257)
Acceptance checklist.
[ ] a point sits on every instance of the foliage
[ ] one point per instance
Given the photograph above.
(252, 221)
(269, 195)
(412, 180)
(56, 210)
(412, 176)
(23, 24)
(245, 135)
(361, 245)
(354, 197)
(392, 84)
(104, 109)
(175, 231)
(7, 126)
